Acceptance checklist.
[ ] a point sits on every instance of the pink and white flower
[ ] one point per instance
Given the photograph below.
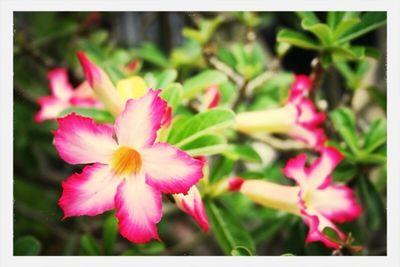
(63, 96)
(318, 201)
(129, 171)
(298, 118)
(192, 204)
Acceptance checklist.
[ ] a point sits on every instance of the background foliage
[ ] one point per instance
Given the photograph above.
(182, 52)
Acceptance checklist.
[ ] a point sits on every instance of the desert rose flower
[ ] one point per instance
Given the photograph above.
(63, 96)
(129, 170)
(211, 97)
(298, 118)
(318, 201)
(192, 204)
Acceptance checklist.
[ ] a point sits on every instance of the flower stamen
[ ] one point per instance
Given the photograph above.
(126, 161)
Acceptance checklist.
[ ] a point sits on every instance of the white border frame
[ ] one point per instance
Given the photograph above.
(7, 7)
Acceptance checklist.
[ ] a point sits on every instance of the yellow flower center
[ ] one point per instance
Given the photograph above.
(126, 161)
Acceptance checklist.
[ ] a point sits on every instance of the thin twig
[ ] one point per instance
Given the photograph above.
(221, 66)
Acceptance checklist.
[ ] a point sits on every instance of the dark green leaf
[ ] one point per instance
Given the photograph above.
(372, 203)
(320, 30)
(110, 232)
(344, 122)
(376, 135)
(297, 39)
(149, 52)
(27, 246)
(221, 168)
(230, 234)
(369, 21)
(89, 245)
(378, 96)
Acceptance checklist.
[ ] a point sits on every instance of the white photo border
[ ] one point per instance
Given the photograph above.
(7, 7)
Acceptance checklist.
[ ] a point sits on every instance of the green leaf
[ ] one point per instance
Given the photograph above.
(378, 96)
(89, 245)
(297, 39)
(221, 168)
(242, 152)
(345, 171)
(344, 26)
(369, 21)
(374, 209)
(206, 145)
(228, 92)
(201, 81)
(376, 135)
(210, 121)
(309, 16)
(172, 94)
(350, 53)
(332, 235)
(229, 233)
(334, 18)
(320, 30)
(166, 78)
(114, 73)
(27, 246)
(98, 115)
(151, 53)
(344, 122)
(110, 232)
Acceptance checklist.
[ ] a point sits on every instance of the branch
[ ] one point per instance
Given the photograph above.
(277, 143)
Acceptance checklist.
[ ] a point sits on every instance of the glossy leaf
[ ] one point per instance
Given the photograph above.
(172, 94)
(210, 121)
(369, 21)
(320, 30)
(297, 39)
(376, 135)
(206, 145)
(229, 233)
(344, 122)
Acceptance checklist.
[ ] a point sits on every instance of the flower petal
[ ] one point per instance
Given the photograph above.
(322, 167)
(169, 169)
(137, 126)
(308, 114)
(193, 205)
(90, 192)
(300, 88)
(59, 84)
(313, 137)
(138, 209)
(336, 202)
(50, 108)
(80, 140)
(317, 223)
(295, 169)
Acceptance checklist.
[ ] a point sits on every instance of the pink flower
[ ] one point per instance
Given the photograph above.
(298, 118)
(129, 170)
(316, 199)
(192, 204)
(301, 87)
(322, 203)
(212, 97)
(63, 96)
